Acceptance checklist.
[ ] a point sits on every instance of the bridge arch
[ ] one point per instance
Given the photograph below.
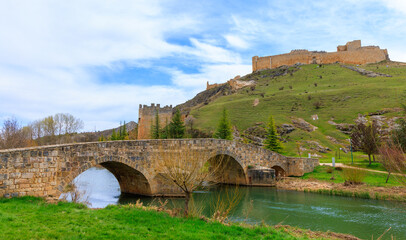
(231, 170)
(130, 179)
(279, 172)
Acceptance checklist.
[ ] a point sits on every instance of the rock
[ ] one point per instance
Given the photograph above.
(314, 145)
(366, 72)
(332, 140)
(343, 127)
(256, 102)
(302, 124)
(285, 129)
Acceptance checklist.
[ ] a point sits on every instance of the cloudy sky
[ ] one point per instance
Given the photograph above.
(99, 60)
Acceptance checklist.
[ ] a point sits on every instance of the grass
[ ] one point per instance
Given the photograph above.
(32, 218)
(371, 178)
(344, 94)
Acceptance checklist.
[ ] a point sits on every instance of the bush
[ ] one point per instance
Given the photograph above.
(353, 176)
(281, 88)
(317, 104)
(329, 170)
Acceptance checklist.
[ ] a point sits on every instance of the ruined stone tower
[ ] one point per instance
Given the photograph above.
(146, 118)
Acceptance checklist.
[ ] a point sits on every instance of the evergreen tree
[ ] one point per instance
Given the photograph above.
(113, 136)
(272, 138)
(176, 127)
(124, 133)
(224, 130)
(156, 129)
(102, 138)
(165, 130)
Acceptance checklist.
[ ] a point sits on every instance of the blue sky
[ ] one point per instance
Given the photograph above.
(99, 60)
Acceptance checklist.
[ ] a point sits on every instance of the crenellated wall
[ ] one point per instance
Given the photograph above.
(146, 117)
(351, 53)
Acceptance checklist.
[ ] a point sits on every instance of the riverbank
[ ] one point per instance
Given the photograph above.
(32, 218)
(394, 193)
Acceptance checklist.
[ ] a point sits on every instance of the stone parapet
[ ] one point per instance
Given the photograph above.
(45, 171)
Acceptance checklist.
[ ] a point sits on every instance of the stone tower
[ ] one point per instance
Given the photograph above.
(146, 118)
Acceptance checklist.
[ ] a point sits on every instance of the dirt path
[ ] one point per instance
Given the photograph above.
(366, 169)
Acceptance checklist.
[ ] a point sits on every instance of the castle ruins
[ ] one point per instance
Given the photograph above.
(350, 53)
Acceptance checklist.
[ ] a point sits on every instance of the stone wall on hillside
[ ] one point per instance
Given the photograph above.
(351, 53)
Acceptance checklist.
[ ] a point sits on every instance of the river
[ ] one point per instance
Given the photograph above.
(359, 217)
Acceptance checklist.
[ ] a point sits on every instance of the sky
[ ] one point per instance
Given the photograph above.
(98, 60)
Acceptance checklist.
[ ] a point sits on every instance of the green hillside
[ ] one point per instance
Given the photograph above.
(341, 92)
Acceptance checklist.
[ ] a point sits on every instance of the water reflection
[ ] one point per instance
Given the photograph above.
(360, 217)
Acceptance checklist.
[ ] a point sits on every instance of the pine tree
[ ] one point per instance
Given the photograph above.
(272, 138)
(165, 130)
(124, 133)
(156, 129)
(224, 130)
(113, 136)
(102, 138)
(176, 127)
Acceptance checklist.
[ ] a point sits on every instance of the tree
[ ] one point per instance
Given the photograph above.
(272, 137)
(393, 158)
(188, 170)
(176, 126)
(165, 130)
(11, 135)
(156, 128)
(365, 137)
(224, 130)
(113, 136)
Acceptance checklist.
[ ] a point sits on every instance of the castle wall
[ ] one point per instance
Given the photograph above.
(146, 117)
(351, 53)
(259, 63)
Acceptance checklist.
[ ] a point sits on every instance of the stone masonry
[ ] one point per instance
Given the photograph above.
(45, 171)
(146, 118)
(351, 53)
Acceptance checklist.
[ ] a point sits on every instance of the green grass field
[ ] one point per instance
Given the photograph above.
(343, 93)
(32, 218)
(371, 178)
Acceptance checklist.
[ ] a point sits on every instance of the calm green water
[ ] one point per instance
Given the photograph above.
(360, 217)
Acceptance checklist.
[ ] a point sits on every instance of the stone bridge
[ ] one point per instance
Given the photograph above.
(45, 171)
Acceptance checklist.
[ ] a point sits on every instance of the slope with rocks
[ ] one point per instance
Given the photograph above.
(314, 106)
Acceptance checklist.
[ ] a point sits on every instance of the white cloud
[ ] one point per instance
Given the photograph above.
(218, 73)
(206, 52)
(236, 41)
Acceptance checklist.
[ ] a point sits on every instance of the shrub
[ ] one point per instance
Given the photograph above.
(290, 86)
(281, 88)
(353, 176)
(339, 168)
(317, 104)
(329, 170)
(315, 84)
(309, 97)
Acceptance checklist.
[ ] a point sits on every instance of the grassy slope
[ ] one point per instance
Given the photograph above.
(344, 94)
(31, 218)
(372, 179)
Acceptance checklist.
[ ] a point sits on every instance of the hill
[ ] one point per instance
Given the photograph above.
(294, 95)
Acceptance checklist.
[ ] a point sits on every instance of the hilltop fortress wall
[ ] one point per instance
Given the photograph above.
(351, 53)
(146, 118)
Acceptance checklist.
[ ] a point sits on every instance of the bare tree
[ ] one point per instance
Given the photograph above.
(365, 137)
(394, 160)
(12, 135)
(188, 169)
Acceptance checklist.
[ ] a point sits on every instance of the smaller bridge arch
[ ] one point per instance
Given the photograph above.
(230, 169)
